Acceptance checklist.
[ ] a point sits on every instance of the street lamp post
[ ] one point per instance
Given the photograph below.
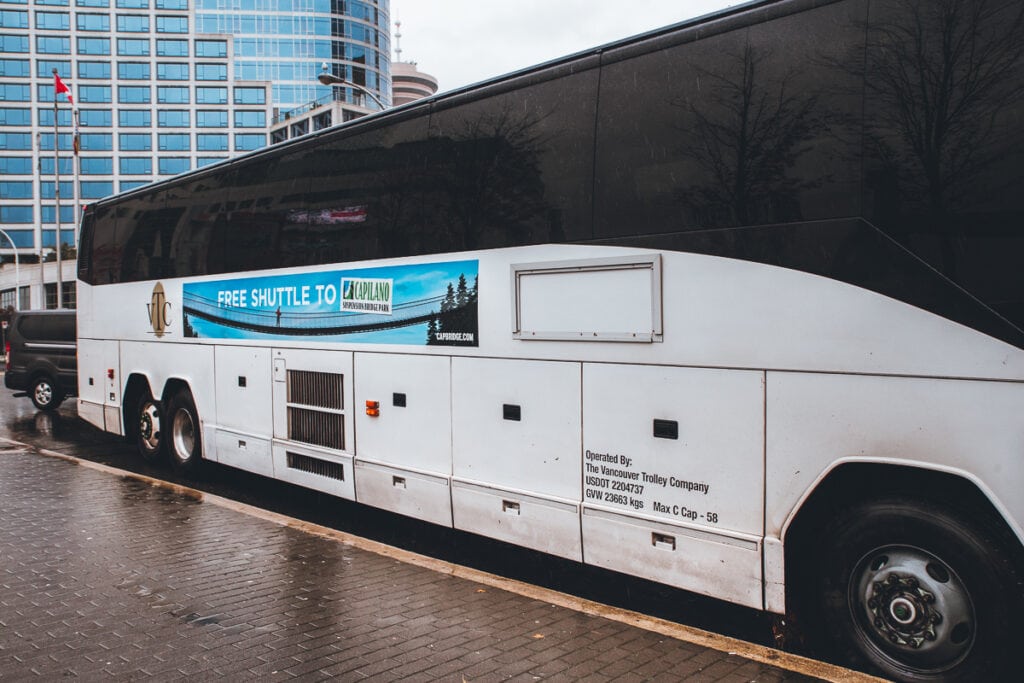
(327, 78)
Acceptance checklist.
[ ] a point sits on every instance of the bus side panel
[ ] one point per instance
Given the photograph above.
(682, 444)
(245, 419)
(243, 384)
(413, 426)
(404, 446)
(674, 476)
(413, 494)
(727, 567)
(98, 391)
(970, 428)
(516, 452)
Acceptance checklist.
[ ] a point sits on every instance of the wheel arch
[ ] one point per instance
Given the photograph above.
(173, 386)
(136, 386)
(43, 371)
(139, 384)
(854, 481)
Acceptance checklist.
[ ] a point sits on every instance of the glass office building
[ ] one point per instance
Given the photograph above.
(286, 42)
(162, 87)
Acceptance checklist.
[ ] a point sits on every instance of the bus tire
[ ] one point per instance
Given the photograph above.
(45, 393)
(148, 428)
(183, 433)
(917, 593)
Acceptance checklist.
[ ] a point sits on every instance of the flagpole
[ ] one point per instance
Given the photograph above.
(56, 187)
(39, 172)
(76, 164)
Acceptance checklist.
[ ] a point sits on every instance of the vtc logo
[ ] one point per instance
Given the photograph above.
(159, 309)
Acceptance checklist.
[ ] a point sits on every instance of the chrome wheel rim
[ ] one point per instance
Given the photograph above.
(44, 393)
(149, 426)
(183, 435)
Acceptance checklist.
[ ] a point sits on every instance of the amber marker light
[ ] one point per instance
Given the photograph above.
(373, 408)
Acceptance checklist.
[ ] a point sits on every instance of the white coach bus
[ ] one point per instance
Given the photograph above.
(736, 306)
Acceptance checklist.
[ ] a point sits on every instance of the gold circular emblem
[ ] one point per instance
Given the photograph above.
(159, 309)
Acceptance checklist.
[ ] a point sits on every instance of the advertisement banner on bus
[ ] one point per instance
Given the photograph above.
(421, 304)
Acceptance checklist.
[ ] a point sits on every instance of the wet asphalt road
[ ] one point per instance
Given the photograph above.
(64, 432)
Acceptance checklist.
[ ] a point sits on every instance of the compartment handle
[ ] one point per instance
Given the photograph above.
(510, 506)
(398, 482)
(663, 541)
(666, 429)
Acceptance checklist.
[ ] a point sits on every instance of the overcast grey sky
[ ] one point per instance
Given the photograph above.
(460, 42)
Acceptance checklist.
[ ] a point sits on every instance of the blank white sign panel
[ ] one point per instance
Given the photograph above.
(599, 302)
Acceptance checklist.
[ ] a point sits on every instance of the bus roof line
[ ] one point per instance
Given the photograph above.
(623, 45)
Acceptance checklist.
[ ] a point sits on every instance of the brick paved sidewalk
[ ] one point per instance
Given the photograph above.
(104, 576)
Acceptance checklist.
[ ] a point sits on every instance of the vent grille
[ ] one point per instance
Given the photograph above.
(322, 468)
(316, 427)
(315, 404)
(318, 389)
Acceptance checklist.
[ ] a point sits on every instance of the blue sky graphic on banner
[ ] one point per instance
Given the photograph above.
(420, 304)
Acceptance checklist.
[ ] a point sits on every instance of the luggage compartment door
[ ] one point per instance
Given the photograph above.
(673, 477)
(404, 435)
(516, 452)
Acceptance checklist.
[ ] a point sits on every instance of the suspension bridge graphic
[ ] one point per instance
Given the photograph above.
(319, 324)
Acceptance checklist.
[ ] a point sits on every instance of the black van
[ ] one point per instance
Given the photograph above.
(41, 356)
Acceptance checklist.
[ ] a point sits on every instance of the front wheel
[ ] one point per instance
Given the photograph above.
(45, 393)
(184, 436)
(917, 593)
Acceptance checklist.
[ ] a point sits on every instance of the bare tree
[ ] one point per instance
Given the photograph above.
(494, 182)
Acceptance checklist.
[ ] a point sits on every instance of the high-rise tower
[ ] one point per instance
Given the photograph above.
(286, 41)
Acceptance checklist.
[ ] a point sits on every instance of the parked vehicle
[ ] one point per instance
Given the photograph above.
(42, 356)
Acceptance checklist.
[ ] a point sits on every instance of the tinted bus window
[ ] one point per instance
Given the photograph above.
(734, 129)
(367, 197)
(516, 167)
(944, 148)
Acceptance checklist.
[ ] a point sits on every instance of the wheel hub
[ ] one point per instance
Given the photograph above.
(903, 611)
(915, 608)
(149, 426)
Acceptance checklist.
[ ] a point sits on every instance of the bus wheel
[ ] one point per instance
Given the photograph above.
(917, 593)
(148, 428)
(184, 439)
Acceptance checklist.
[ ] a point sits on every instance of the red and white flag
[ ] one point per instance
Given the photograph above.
(59, 87)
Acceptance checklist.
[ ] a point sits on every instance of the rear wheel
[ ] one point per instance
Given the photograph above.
(149, 431)
(184, 439)
(45, 393)
(917, 593)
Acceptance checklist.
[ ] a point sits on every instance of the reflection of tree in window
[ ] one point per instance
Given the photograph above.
(491, 191)
(944, 84)
(744, 130)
